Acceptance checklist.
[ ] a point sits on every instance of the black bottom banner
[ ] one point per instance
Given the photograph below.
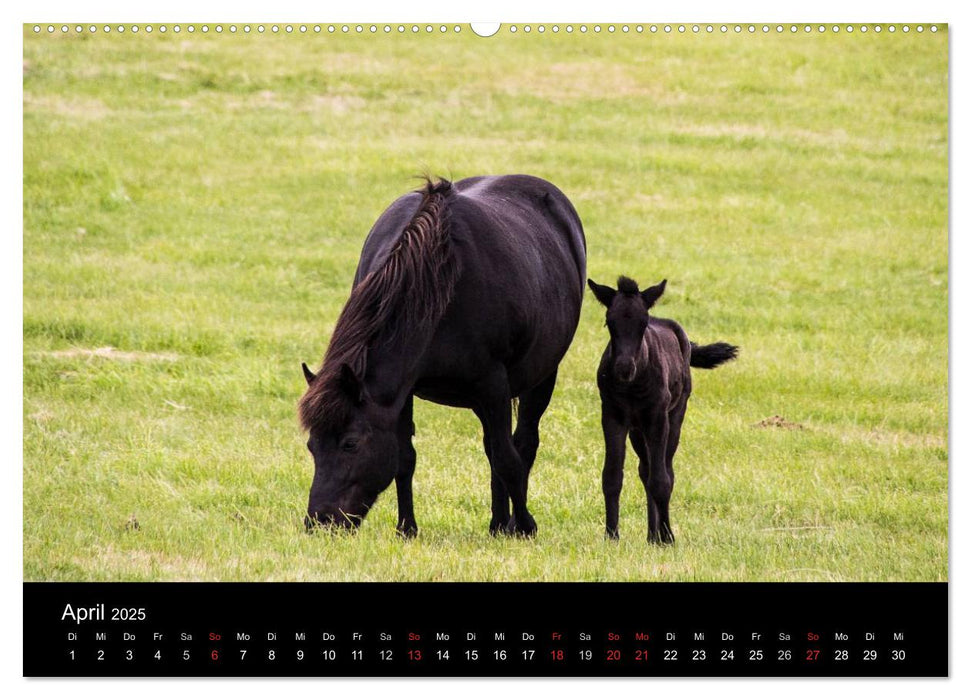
(486, 629)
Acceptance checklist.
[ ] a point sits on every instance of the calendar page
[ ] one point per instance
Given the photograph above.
(514, 349)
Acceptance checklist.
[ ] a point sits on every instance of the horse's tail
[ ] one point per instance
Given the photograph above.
(711, 356)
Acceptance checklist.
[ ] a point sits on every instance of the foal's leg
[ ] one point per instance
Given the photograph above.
(656, 478)
(532, 404)
(675, 419)
(615, 449)
(639, 443)
(407, 527)
(494, 410)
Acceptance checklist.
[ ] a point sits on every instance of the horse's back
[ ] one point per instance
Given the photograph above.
(521, 220)
(507, 218)
(520, 243)
(519, 256)
(519, 248)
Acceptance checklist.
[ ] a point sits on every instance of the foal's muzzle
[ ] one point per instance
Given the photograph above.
(625, 370)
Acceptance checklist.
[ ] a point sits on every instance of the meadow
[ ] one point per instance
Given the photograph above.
(194, 207)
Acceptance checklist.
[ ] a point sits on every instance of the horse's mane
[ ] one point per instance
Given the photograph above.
(406, 296)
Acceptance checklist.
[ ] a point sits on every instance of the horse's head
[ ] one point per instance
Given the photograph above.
(355, 456)
(627, 308)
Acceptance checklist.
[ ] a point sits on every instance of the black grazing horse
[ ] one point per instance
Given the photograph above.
(468, 295)
(645, 381)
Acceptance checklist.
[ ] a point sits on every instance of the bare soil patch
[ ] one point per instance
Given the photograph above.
(779, 422)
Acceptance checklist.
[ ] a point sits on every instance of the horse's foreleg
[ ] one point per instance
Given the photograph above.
(407, 526)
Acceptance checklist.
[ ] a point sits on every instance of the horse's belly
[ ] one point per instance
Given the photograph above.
(445, 392)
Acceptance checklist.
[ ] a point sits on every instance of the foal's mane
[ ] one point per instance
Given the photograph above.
(406, 296)
(625, 285)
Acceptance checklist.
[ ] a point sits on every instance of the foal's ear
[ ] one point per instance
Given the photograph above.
(652, 294)
(351, 384)
(605, 295)
(307, 374)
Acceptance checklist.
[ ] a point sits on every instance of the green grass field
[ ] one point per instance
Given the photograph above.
(198, 203)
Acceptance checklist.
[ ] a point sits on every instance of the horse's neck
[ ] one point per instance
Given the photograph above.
(392, 369)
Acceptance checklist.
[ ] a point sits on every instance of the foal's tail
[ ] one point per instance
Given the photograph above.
(711, 356)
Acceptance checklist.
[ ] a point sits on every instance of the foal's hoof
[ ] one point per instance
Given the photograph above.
(613, 535)
(525, 529)
(407, 531)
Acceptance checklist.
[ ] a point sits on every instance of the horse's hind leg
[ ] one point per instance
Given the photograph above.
(500, 497)
(494, 410)
(532, 404)
(500, 505)
(407, 527)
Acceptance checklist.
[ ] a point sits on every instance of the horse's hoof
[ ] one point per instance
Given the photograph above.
(407, 531)
(665, 539)
(612, 534)
(525, 529)
(499, 526)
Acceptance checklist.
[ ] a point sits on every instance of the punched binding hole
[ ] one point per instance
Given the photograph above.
(485, 29)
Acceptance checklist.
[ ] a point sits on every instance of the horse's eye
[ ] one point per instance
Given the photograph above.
(349, 444)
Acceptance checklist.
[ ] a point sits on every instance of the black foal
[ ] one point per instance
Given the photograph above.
(645, 381)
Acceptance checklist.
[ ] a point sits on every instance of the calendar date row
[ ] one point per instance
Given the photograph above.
(415, 655)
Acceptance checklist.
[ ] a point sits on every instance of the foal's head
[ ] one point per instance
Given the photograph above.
(627, 320)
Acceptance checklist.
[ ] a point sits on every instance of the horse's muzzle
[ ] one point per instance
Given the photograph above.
(332, 520)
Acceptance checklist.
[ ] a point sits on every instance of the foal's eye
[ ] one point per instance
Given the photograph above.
(349, 444)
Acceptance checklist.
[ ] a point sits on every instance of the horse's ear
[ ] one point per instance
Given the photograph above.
(351, 384)
(307, 374)
(605, 295)
(652, 294)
